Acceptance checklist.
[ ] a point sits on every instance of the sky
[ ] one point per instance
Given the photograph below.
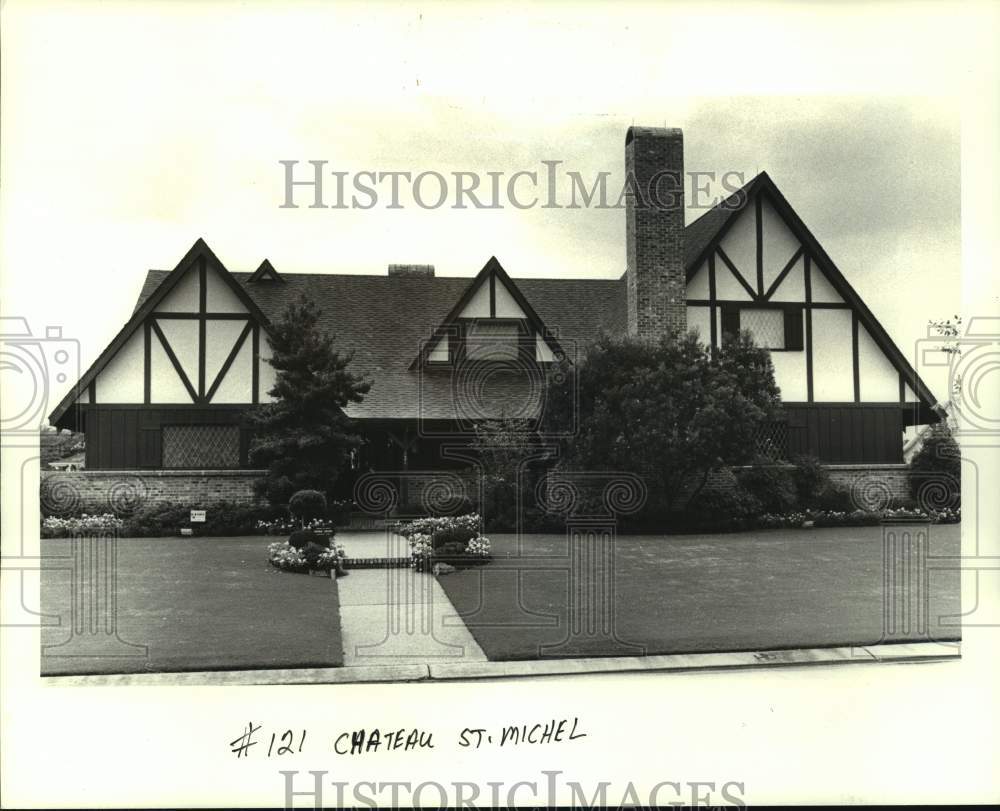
(130, 131)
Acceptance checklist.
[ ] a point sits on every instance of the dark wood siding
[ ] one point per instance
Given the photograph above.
(128, 437)
(846, 433)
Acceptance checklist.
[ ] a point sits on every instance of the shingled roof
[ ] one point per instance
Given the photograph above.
(383, 320)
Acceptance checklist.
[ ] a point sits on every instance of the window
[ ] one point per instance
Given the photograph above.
(776, 328)
(201, 447)
(493, 340)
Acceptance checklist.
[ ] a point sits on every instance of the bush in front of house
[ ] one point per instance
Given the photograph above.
(222, 519)
(671, 411)
(936, 470)
(307, 505)
(771, 486)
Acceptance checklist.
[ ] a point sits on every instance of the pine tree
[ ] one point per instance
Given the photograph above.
(304, 438)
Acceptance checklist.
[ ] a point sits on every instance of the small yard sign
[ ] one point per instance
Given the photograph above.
(197, 516)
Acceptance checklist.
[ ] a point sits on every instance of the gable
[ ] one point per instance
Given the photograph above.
(763, 257)
(492, 320)
(194, 340)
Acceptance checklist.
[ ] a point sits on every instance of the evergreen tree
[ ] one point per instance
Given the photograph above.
(304, 438)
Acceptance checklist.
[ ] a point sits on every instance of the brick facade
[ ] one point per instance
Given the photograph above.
(124, 491)
(654, 232)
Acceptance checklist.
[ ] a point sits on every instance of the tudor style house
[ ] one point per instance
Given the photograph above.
(171, 390)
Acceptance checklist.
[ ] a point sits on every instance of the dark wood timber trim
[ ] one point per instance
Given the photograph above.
(784, 272)
(712, 311)
(255, 384)
(176, 363)
(207, 315)
(807, 275)
(855, 358)
(230, 358)
(202, 325)
(902, 389)
(493, 295)
(737, 274)
(759, 225)
(92, 392)
(147, 363)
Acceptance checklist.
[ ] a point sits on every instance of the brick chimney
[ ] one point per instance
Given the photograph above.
(411, 271)
(654, 232)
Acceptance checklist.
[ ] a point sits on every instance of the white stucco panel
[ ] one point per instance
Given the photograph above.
(236, 386)
(166, 386)
(822, 290)
(220, 297)
(439, 352)
(727, 286)
(792, 287)
(740, 245)
(833, 358)
(779, 243)
(121, 381)
(182, 334)
(878, 378)
(700, 319)
(506, 305)
(790, 375)
(220, 337)
(698, 287)
(479, 305)
(184, 298)
(543, 353)
(267, 372)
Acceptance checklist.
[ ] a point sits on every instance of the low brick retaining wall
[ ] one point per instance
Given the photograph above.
(70, 492)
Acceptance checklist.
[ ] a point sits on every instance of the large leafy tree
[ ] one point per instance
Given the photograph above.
(671, 411)
(304, 438)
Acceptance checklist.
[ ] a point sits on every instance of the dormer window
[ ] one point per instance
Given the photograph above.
(494, 340)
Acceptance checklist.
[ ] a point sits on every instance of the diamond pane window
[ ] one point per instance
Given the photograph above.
(201, 447)
(767, 326)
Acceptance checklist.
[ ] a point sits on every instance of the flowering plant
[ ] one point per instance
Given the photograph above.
(289, 559)
(283, 526)
(54, 527)
(422, 532)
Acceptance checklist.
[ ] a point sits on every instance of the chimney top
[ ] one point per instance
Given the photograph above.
(412, 271)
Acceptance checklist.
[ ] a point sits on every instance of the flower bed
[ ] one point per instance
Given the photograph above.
(288, 558)
(55, 527)
(838, 518)
(451, 540)
(285, 526)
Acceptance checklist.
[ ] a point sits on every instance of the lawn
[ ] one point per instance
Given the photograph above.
(674, 594)
(196, 604)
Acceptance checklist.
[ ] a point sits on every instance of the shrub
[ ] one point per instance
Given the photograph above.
(453, 535)
(833, 498)
(810, 479)
(771, 486)
(723, 505)
(303, 537)
(307, 505)
(158, 520)
(223, 518)
(936, 470)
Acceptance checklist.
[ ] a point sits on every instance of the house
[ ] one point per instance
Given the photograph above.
(170, 391)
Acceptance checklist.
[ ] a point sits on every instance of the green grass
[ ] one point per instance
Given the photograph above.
(196, 604)
(746, 591)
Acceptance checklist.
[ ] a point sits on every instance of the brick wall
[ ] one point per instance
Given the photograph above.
(123, 491)
(654, 232)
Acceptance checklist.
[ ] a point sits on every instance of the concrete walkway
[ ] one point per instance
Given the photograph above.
(397, 616)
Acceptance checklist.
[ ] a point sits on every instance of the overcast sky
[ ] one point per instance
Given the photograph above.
(128, 133)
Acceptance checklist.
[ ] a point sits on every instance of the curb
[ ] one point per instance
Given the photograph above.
(902, 652)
